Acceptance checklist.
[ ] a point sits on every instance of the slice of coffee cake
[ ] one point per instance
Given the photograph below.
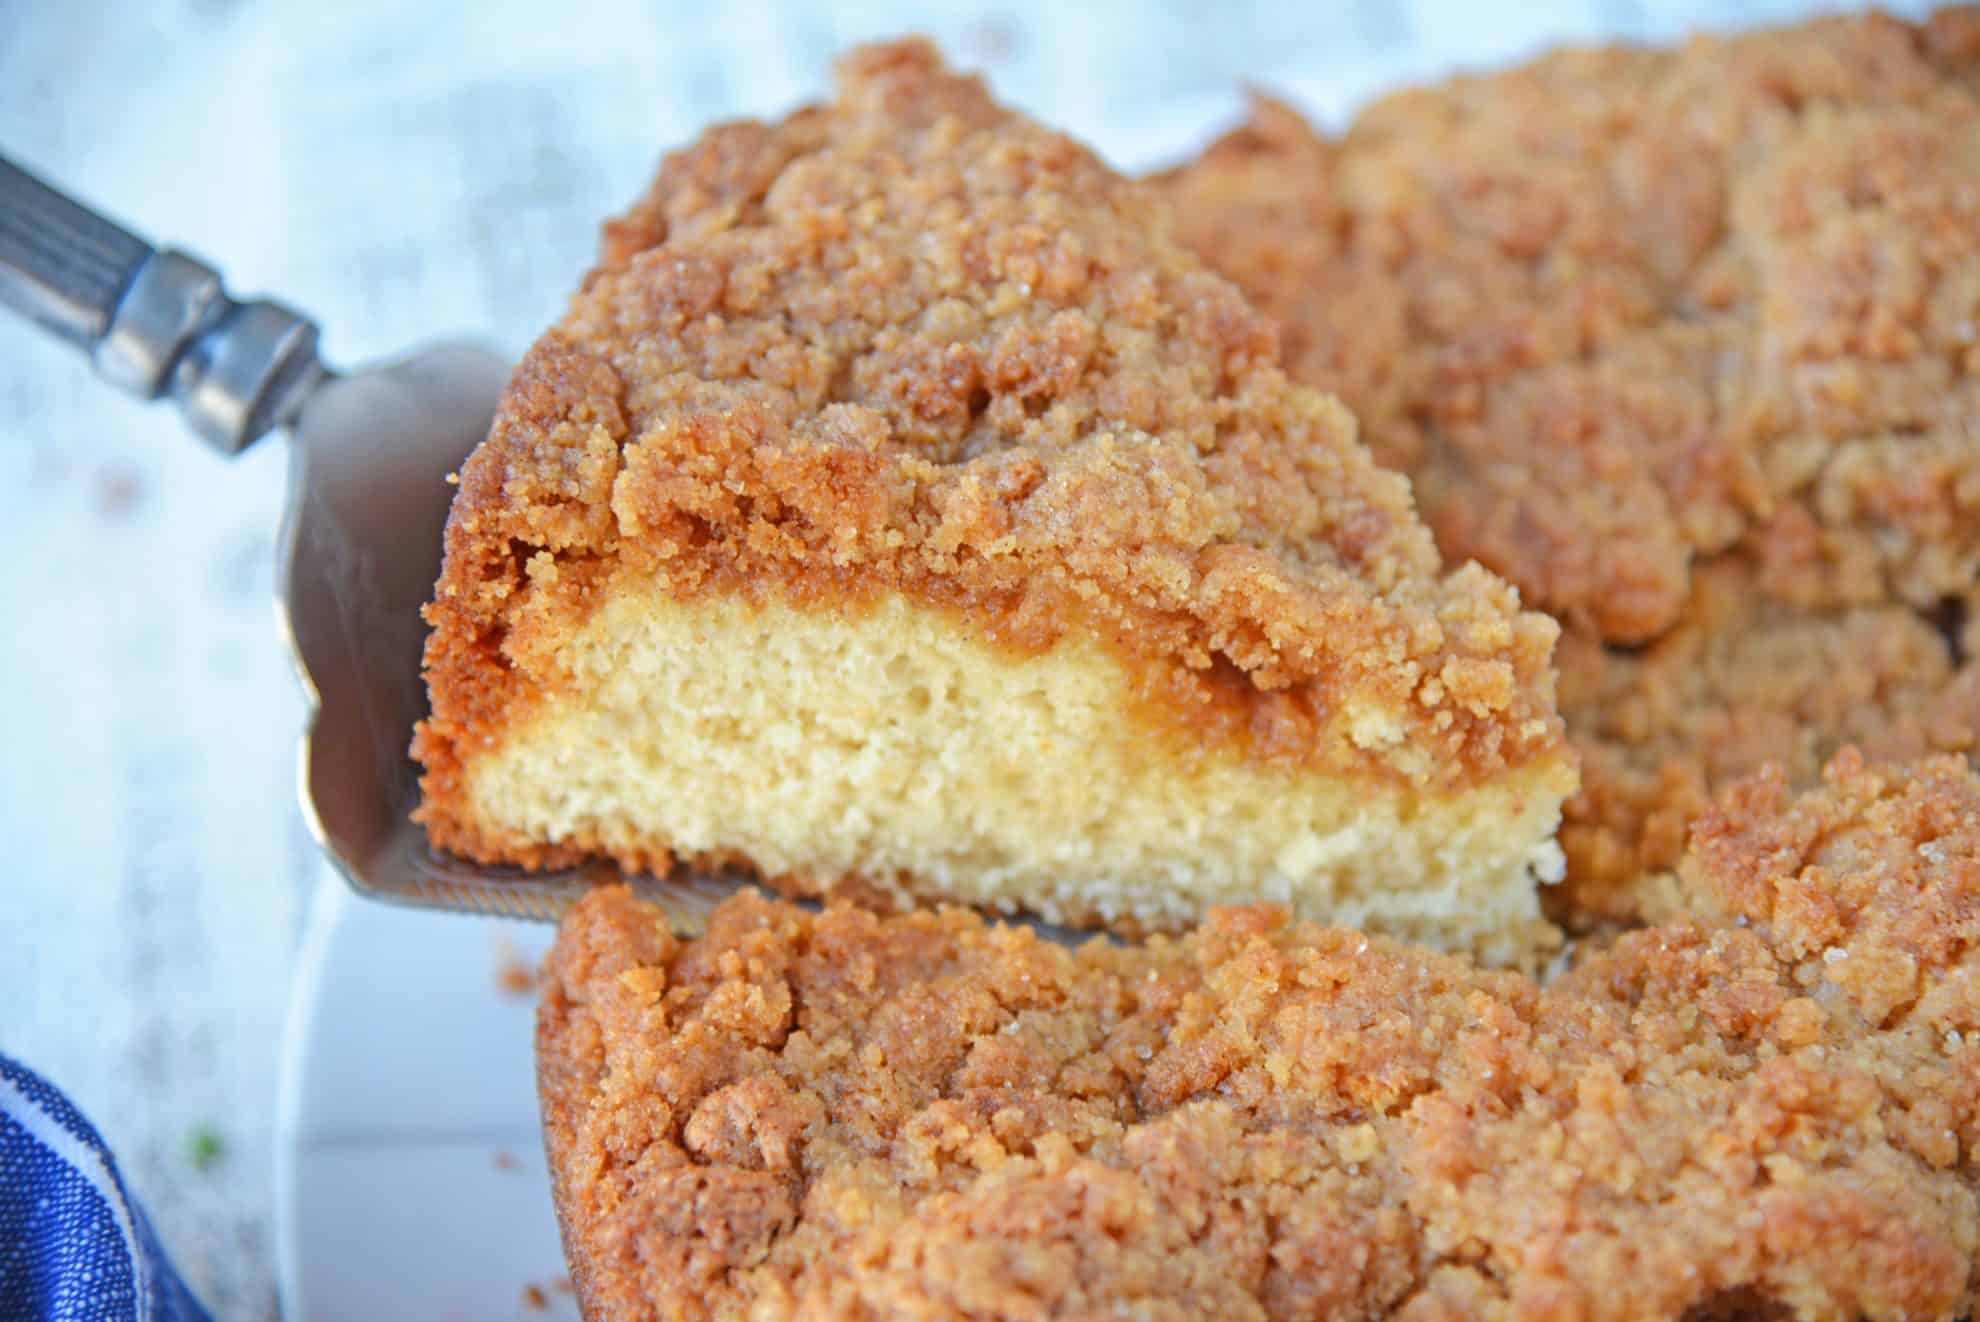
(897, 508)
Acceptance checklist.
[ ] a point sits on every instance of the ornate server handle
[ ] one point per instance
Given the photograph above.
(154, 321)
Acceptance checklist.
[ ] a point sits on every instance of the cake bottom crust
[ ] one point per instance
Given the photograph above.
(890, 752)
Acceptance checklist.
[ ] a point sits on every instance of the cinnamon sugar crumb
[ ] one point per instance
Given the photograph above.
(514, 975)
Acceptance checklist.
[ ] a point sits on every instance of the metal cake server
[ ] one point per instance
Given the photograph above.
(370, 454)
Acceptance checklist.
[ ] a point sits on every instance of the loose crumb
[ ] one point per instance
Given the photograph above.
(514, 975)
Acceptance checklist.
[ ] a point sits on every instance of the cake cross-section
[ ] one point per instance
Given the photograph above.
(898, 511)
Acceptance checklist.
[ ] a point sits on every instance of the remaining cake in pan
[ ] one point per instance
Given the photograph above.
(1770, 1109)
(897, 510)
(1623, 312)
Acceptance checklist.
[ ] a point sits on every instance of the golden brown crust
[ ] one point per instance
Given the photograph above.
(910, 342)
(1740, 683)
(929, 1116)
(1620, 308)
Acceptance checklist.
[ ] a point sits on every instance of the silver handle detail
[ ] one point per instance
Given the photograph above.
(154, 322)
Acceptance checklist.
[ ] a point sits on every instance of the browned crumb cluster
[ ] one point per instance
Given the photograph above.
(1774, 1104)
(909, 342)
(1623, 313)
(513, 974)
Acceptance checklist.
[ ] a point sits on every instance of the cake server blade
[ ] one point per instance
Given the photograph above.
(370, 457)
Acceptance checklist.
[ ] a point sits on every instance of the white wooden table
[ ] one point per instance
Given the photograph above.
(401, 171)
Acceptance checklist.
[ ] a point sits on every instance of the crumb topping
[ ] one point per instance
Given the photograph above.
(1773, 1106)
(911, 342)
(1618, 309)
(1740, 683)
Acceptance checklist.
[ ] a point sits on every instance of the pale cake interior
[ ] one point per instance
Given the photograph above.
(896, 746)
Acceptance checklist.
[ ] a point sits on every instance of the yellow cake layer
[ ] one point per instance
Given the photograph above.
(894, 746)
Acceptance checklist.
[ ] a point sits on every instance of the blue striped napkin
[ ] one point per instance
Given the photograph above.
(74, 1246)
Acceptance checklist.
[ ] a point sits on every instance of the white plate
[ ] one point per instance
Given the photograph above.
(409, 1171)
